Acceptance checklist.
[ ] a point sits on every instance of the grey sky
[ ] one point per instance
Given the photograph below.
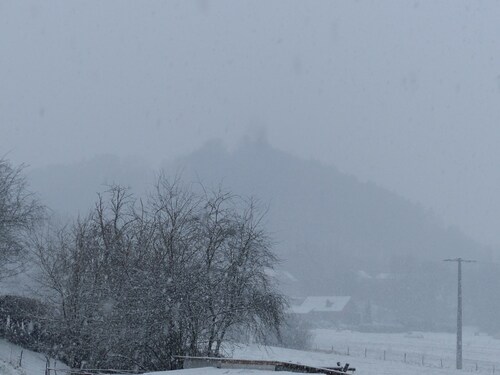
(403, 93)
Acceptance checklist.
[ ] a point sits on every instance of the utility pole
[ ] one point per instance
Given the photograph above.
(459, 308)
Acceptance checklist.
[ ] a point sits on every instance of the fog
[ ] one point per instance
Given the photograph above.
(392, 105)
(404, 94)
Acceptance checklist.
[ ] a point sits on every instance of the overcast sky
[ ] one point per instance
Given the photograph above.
(402, 93)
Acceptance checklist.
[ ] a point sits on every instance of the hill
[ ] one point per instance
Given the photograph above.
(328, 225)
(334, 233)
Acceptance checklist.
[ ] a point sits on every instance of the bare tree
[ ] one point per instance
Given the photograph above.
(20, 211)
(137, 282)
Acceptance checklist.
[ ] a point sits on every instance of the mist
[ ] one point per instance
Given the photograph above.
(367, 130)
(402, 94)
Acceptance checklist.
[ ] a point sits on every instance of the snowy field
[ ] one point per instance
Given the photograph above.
(481, 352)
(366, 366)
(424, 352)
(363, 366)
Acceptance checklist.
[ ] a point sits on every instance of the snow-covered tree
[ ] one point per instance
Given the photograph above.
(136, 282)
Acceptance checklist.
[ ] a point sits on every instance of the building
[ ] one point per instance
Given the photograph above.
(326, 310)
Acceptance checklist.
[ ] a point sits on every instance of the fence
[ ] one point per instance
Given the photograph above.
(413, 358)
(51, 369)
(61, 371)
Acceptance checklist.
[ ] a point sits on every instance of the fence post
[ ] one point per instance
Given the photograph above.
(21, 359)
(384, 355)
(365, 352)
(441, 362)
(423, 360)
(348, 351)
(405, 358)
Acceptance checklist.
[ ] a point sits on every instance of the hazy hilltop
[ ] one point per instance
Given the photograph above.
(335, 234)
(327, 224)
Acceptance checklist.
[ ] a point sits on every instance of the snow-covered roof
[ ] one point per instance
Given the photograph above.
(321, 304)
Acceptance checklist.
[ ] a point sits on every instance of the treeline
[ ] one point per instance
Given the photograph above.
(138, 281)
(22, 322)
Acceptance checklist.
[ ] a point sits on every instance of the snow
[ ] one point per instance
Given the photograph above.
(483, 349)
(363, 365)
(478, 348)
(32, 363)
(217, 371)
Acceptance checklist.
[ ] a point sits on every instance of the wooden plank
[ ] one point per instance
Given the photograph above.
(278, 365)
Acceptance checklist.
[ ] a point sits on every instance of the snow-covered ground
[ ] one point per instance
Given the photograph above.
(424, 351)
(31, 363)
(216, 371)
(430, 349)
(366, 366)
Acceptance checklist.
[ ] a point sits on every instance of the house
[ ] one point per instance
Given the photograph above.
(326, 310)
